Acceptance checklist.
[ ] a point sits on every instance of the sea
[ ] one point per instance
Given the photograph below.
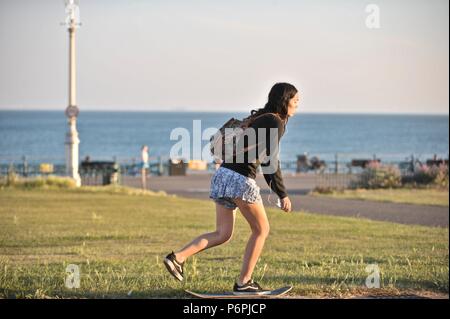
(119, 135)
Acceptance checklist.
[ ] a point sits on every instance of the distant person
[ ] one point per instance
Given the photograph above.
(233, 186)
(144, 166)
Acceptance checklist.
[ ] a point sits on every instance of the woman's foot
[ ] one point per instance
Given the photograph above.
(249, 288)
(174, 267)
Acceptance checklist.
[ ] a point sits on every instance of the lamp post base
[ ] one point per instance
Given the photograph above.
(72, 143)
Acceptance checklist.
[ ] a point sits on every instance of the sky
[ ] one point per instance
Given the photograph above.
(207, 55)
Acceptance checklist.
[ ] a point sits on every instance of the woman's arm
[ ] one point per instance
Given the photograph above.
(274, 180)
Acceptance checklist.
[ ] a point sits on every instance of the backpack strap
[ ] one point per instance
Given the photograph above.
(250, 121)
(246, 124)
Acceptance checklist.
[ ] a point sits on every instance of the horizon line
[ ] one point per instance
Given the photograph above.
(223, 112)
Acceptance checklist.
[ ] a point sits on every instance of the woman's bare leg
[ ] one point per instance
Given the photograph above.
(255, 214)
(225, 218)
(144, 178)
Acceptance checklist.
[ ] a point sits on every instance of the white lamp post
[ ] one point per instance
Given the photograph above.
(71, 144)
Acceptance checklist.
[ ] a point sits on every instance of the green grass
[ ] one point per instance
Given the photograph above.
(118, 241)
(438, 197)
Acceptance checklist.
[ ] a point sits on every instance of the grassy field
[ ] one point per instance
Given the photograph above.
(118, 241)
(410, 196)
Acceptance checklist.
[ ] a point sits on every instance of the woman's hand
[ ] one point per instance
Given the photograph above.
(286, 204)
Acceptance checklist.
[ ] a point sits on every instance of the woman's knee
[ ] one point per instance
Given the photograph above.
(256, 217)
(224, 236)
(262, 230)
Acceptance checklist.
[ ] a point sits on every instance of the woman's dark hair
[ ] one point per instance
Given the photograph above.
(278, 102)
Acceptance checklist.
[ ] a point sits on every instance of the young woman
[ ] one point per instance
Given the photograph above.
(233, 186)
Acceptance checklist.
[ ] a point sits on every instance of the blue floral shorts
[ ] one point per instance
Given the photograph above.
(226, 185)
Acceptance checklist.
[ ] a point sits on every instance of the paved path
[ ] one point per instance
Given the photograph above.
(197, 186)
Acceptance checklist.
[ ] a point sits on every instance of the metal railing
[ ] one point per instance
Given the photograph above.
(337, 173)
